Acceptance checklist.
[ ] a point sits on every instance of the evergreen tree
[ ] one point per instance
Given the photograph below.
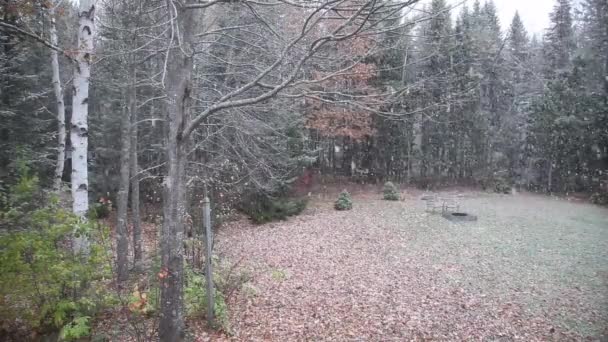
(595, 44)
(465, 105)
(518, 43)
(559, 39)
(27, 108)
(519, 76)
(437, 43)
(566, 136)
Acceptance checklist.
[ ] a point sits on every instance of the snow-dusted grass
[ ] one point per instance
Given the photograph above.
(531, 268)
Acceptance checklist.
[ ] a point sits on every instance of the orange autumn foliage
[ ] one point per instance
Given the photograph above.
(333, 116)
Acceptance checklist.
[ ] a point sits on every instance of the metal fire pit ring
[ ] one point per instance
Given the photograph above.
(459, 216)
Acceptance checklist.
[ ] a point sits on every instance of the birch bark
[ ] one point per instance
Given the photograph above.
(58, 90)
(80, 110)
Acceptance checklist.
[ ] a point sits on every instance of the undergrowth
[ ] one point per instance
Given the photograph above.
(46, 286)
(599, 198)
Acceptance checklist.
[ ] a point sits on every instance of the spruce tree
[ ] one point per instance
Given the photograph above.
(519, 75)
(559, 39)
(436, 71)
(595, 44)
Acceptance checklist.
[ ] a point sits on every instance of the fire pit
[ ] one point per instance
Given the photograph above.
(459, 217)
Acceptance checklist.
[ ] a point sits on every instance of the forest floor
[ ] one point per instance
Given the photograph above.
(531, 268)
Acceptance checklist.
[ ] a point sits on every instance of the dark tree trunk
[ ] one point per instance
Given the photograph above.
(177, 87)
(122, 241)
(135, 217)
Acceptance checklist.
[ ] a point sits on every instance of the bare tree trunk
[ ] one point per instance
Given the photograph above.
(405, 130)
(177, 87)
(419, 145)
(409, 160)
(58, 90)
(604, 17)
(606, 64)
(80, 110)
(550, 176)
(122, 242)
(136, 220)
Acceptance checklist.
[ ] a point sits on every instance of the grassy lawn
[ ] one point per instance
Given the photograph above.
(531, 268)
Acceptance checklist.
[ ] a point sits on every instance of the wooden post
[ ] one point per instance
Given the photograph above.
(208, 261)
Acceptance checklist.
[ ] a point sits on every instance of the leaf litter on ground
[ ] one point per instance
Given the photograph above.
(532, 268)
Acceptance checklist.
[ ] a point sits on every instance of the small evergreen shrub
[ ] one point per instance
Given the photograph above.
(263, 209)
(599, 198)
(344, 201)
(501, 186)
(390, 191)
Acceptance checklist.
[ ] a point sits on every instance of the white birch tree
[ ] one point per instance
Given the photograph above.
(58, 90)
(83, 57)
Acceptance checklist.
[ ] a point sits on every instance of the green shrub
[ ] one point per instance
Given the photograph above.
(278, 275)
(390, 191)
(263, 209)
(195, 299)
(599, 198)
(44, 285)
(344, 201)
(501, 186)
(497, 184)
(101, 209)
(503, 189)
(80, 327)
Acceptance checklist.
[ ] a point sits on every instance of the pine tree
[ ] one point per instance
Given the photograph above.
(595, 44)
(559, 39)
(436, 72)
(554, 108)
(492, 92)
(518, 40)
(466, 100)
(519, 75)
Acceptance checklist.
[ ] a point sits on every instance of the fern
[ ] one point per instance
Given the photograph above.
(79, 327)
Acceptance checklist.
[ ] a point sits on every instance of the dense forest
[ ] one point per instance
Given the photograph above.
(145, 107)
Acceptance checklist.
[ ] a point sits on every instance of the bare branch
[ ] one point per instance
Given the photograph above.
(33, 36)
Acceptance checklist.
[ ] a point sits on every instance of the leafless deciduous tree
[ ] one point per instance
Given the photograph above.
(267, 77)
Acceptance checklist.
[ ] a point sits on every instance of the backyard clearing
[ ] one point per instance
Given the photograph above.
(531, 268)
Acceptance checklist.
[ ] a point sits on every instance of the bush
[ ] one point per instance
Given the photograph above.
(344, 201)
(80, 327)
(599, 198)
(44, 286)
(101, 209)
(390, 191)
(195, 297)
(502, 186)
(263, 209)
(499, 185)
